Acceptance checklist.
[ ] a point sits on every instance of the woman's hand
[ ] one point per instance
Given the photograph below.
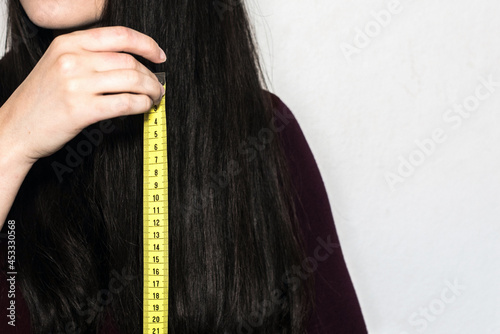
(82, 78)
(66, 90)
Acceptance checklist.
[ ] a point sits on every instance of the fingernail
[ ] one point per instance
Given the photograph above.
(162, 90)
(163, 56)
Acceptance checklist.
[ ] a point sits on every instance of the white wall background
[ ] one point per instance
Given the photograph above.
(438, 224)
(3, 23)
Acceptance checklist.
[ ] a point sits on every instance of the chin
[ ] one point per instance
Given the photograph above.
(55, 24)
(57, 18)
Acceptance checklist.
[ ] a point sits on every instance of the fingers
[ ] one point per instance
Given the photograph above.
(115, 105)
(119, 38)
(108, 61)
(125, 81)
(119, 84)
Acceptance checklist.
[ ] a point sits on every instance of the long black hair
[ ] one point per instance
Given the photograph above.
(233, 232)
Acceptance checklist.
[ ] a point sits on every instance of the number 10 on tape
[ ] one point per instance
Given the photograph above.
(155, 219)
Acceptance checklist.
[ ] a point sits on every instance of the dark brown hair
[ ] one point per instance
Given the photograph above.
(233, 234)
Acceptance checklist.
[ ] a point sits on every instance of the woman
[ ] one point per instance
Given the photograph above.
(244, 253)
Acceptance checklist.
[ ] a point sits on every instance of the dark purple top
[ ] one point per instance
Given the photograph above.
(337, 308)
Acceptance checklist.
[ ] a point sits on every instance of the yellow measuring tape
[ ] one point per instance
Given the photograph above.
(155, 219)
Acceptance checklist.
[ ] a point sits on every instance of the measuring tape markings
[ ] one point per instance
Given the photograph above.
(155, 219)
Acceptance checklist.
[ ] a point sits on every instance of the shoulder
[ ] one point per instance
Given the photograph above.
(304, 171)
(292, 138)
(302, 163)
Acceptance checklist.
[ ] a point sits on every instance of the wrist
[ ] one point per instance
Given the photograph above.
(12, 150)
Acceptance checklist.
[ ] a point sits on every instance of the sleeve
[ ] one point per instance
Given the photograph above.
(337, 309)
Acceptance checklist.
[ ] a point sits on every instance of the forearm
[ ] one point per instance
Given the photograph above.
(13, 168)
(12, 175)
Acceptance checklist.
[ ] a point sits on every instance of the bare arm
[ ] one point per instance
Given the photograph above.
(84, 77)
(13, 170)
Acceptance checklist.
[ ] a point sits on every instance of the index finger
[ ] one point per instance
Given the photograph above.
(120, 38)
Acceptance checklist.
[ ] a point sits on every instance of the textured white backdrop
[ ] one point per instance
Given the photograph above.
(394, 99)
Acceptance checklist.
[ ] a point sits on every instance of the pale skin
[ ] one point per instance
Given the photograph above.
(64, 92)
